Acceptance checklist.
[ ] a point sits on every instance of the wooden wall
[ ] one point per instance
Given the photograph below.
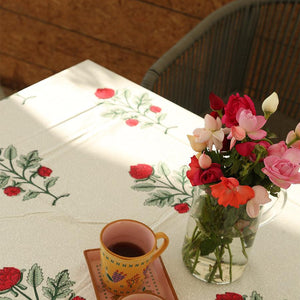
(40, 38)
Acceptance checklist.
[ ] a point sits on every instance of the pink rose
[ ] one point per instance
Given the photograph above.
(234, 104)
(140, 171)
(283, 170)
(277, 149)
(104, 93)
(182, 208)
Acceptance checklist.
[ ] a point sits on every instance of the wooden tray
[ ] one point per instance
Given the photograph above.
(157, 280)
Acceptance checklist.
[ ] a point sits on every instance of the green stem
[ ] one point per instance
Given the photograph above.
(243, 246)
(230, 262)
(19, 291)
(218, 253)
(196, 260)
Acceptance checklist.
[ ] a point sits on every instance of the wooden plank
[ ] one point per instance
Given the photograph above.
(55, 48)
(194, 8)
(131, 24)
(18, 74)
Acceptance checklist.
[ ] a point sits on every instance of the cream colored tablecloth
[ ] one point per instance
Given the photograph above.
(90, 144)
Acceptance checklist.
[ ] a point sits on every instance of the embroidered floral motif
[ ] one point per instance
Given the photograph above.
(58, 287)
(117, 276)
(165, 188)
(134, 110)
(133, 280)
(16, 175)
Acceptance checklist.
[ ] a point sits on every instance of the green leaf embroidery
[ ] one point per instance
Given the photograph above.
(58, 287)
(35, 276)
(10, 152)
(163, 169)
(144, 186)
(160, 198)
(31, 160)
(30, 195)
(3, 180)
(48, 183)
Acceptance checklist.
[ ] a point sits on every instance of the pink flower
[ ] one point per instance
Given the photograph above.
(237, 133)
(104, 93)
(293, 137)
(155, 109)
(204, 161)
(261, 197)
(141, 171)
(277, 149)
(182, 208)
(283, 171)
(212, 134)
(132, 122)
(251, 123)
(235, 103)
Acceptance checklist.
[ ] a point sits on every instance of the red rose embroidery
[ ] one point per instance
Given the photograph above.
(44, 171)
(104, 93)
(8, 278)
(78, 298)
(140, 171)
(155, 109)
(236, 102)
(182, 208)
(197, 176)
(12, 191)
(229, 296)
(132, 122)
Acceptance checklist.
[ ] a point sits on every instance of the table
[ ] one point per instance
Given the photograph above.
(67, 145)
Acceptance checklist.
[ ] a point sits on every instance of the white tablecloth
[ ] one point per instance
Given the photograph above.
(90, 144)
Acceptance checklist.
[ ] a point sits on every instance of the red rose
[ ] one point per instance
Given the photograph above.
(132, 122)
(212, 174)
(140, 171)
(216, 103)
(44, 171)
(236, 102)
(246, 149)
(155, 109)
(214, 114)
(182, 208)
(8, 278)
(78, 298)
(12, 191)
(229, 296)
(197, 176)
(104, 93)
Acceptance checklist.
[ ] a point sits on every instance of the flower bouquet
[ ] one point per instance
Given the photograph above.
(237, 169)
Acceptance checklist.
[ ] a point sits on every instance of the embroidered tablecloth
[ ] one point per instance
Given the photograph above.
(85, 147)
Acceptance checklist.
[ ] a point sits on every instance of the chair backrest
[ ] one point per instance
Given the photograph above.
(246, 46)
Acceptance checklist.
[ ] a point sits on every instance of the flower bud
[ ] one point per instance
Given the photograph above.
(216, 103)
(204, 161)
(270, 104)
(297, 130)
(198, 147)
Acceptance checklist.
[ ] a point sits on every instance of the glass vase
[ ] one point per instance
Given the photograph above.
(218, 239)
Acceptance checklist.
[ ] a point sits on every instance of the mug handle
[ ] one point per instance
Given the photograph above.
(162, 248)
(272, 210)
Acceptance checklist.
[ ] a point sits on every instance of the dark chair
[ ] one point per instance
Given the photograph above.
(246, 46)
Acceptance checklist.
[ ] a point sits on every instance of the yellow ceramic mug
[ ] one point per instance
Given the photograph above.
(127, 248)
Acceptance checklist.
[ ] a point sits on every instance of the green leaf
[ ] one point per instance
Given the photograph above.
(10, 152)
(231, 217)
(161, 117)
(35, 276)
(160, 198)
(5, 298)
(48, 183)
(208, 246)
(147, 124)
(31, 160)
(163, 169)
(3, 180)
(30, 195)
(58, 287)
(127, 94)
(144, 186)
